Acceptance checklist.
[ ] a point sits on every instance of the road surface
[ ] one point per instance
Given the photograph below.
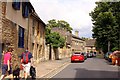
(91, 68)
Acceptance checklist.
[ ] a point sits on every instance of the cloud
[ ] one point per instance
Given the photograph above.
(75, 12)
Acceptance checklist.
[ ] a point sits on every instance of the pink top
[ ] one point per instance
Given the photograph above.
(7, 56)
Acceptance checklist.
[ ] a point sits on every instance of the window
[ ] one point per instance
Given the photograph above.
(32, 47)
(33, 27)
(25, 10)
(38, 29)
(21, 37)
(16, 4)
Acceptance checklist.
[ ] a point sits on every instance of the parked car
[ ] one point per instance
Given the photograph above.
(89, 55)
(94, 54)
(113, 58)
(106, 56)
(85, 55)
(77, 57)
(116, 57)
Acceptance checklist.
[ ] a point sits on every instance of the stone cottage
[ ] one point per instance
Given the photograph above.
(21, 27)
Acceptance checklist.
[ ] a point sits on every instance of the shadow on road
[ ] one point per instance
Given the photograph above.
(109, 63)
(84, 73)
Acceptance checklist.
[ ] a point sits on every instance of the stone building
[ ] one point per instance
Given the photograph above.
(14, 27)
(90, 45)
(20, 27)
(73, 42)
(78, 45)
(36, 40)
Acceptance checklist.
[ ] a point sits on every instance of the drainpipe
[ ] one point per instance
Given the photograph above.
(28, 31)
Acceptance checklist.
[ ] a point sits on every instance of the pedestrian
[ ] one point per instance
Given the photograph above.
(26, 61)
(7, 65)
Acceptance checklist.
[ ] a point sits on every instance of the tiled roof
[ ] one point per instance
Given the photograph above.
(74, 36)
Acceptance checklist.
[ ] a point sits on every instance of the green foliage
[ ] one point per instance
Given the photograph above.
(113, 49)
(63, 24)
(54, 38)
(52, 23)
(60, 23)
(106, 26)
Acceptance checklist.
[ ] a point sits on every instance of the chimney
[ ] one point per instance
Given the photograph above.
(77, 33)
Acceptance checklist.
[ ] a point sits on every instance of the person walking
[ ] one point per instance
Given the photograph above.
(7, 65)
(26, 60)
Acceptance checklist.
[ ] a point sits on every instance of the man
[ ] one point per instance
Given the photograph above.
(26, 65)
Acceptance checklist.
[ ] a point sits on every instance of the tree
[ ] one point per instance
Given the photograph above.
(105, 26)
(53, 38)
(116, 12)
(63, 24)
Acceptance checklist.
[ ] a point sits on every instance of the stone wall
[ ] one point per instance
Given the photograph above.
(36, 39)
(62, 53)
(0, 21)
(9, 32)
(10, 39)
(10, 36)
(0, 33)
(10, 29)
(47, 52)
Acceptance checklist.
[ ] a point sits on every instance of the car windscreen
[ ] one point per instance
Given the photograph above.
(76, 53)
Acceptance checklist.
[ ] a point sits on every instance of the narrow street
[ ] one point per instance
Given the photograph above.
(91, 68)
(86, 28)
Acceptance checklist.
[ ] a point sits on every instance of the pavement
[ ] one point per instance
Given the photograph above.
(43, 69)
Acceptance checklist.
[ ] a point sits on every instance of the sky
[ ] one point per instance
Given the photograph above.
(75, 12)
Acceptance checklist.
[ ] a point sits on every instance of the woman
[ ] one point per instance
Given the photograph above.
(6, 67)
